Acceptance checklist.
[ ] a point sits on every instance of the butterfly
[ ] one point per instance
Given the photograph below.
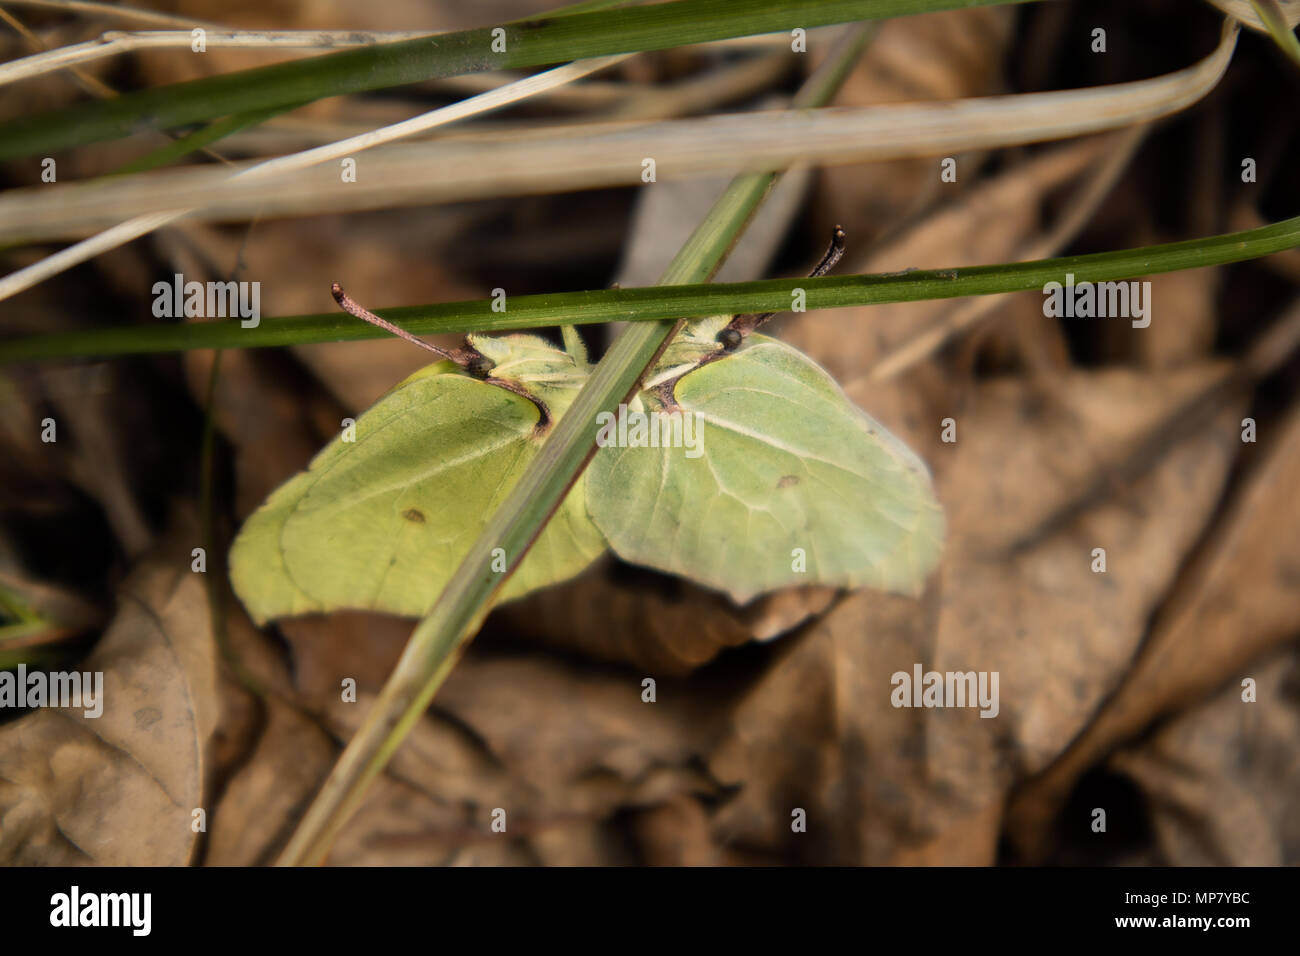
(791, 483)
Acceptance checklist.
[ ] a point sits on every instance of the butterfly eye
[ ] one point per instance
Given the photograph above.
(479, 366)
(730, 339)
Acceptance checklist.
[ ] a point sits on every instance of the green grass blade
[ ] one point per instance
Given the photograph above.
(192, 142)
(531, 43)
(660, 302)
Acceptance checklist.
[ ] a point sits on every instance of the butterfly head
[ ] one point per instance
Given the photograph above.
(730, 339)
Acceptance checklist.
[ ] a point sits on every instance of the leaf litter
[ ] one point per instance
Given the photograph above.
(782, 703)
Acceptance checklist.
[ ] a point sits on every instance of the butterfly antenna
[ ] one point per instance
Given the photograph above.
(348, 305)
(834, 253)
(468, 358)
(742, 325)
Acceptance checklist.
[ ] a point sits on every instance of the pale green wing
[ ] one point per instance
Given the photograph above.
(791, 474)
(382, 522)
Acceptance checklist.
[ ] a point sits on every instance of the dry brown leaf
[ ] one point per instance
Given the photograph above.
(120, 789)
(1021, 454)
(971, 841)
(585, 739)
(676, 833)
(435, 801)
(266, 796)
(291, 743)
(330, 647)
(1223, 780)
(814, 734)
(556, 747)
(1237, 601)
(666, 626)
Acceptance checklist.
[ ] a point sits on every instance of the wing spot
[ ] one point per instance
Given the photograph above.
(787, 481)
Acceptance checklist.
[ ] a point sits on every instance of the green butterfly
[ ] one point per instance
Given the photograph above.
(766, 476)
